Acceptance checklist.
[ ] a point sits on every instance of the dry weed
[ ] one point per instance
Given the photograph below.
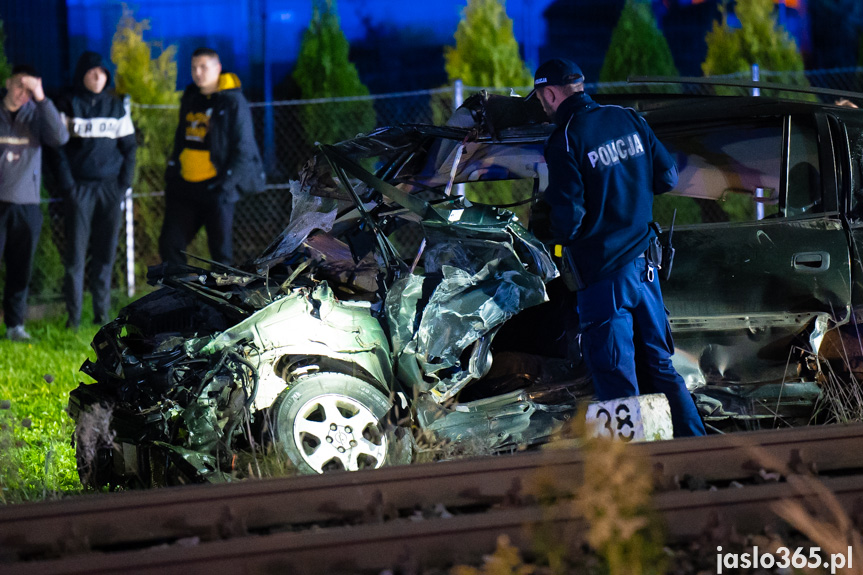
(506, 560)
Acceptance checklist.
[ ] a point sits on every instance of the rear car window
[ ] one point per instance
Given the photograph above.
(804, 176)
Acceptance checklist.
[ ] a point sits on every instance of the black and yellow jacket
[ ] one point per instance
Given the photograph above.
(215, 143)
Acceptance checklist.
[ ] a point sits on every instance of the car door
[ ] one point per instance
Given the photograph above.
(762, 259)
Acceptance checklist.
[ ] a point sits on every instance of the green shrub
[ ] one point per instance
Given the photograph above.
(637, 46)
(486, 55)
(148, 81)
(48, 269)
(324, 71)
(5, 67)
(485, 52)
(759, 40)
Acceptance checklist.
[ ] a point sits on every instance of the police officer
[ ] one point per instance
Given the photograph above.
(604, 165)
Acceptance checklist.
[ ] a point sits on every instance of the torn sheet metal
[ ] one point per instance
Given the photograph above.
(488, 425)
(754, 348)
(343, 330)
(308, 213)
(789, 403)
(739, 368)
(475, 285)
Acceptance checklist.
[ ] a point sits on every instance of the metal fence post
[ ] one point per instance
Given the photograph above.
(755, 78)
(128, 208)
(458, 100)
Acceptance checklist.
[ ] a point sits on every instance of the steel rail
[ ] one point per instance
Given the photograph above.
(213, 513)
(434, 543)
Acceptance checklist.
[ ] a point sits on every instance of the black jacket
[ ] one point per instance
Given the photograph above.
(233, 150)
(604, 166)
(102, 138)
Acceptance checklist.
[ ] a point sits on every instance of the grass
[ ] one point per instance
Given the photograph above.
(37, 460)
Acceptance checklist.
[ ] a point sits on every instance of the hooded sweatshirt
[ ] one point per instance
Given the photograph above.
(215, 142)
(35, 125)
(102, 143)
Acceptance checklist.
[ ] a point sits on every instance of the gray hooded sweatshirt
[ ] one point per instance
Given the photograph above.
(37, 124)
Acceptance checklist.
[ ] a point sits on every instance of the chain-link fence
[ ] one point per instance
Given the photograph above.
(287, 132)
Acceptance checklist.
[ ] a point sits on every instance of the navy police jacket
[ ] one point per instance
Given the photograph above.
(604, 166)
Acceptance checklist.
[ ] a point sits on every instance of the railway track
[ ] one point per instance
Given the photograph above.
(366, 522)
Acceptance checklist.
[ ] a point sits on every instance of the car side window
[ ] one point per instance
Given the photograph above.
(804, 177)
(728, 172)
(855, 147)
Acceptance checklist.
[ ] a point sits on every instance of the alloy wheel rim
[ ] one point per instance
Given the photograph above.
(336, 431)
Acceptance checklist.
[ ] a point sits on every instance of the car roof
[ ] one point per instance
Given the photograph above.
(658, 109)
(684, 108)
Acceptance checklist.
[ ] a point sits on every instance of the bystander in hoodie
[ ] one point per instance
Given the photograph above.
(94, 171)
(215, 160)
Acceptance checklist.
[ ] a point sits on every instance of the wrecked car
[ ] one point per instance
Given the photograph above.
(410, 297)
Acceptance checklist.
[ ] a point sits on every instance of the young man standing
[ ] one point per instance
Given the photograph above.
(28, 121)
(215, 156)
(94, 170)
(601, 211)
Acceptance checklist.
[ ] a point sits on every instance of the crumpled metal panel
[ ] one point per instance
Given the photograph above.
(402, 310)
(311, 322)
(754, 348)
(491, 424)
(476, 284)
(308, 213)
(494, 422)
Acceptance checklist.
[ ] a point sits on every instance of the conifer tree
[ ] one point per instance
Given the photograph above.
(486, 52)
(148, 80)
(759, 40)
(637, 46)
(486, 55)
(325, 71)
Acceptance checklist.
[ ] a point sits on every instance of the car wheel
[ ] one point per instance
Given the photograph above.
(329, 421)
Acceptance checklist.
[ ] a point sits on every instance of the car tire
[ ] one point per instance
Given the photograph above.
(329, 421)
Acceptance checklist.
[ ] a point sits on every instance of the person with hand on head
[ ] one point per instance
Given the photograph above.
(94, 170)
(605, 164)
(215, 157)
(28, 121)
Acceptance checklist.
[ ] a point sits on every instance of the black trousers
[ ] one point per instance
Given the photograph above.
(187, 208)
(92, 219)
(20, 226)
